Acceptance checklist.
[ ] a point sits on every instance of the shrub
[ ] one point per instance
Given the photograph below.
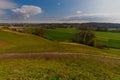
(85, 37)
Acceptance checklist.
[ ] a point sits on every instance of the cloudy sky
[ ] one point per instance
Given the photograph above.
(53, 11)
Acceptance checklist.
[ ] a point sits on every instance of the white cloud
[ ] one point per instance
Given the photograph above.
(7, 4)
(26, 11)
(93, 17)
(78, 12)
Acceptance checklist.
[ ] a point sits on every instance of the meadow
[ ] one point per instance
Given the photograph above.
(60, 34)
(60, 67)
(110, 39)
(55, 59)
(15, 42)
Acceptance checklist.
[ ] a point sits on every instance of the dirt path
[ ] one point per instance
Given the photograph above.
(51, 55)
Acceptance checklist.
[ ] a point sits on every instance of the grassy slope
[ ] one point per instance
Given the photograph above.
(54, 67)
(21, 43)
(16, 43)
(12, 42)
(62, 67)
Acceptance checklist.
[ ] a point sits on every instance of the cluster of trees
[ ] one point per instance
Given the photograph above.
(85, 37)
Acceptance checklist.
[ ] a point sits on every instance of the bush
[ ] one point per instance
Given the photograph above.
(85, 37)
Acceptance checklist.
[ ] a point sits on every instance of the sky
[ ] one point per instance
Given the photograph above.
(59, 11)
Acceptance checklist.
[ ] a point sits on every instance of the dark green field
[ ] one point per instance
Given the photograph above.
(109, 39)
(60, 34)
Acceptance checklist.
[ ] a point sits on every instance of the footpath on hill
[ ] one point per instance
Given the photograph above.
(50, 55)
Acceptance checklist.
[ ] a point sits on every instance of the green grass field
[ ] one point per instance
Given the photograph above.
(12, 42)
(62, 67)
(108, 35)
(60, 34)
(88, 63)
(109, 39)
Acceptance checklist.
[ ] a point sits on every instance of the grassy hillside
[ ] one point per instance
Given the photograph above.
(60, 67)
(65, 64)
(15, 42)
(21, 42)
(12, 42)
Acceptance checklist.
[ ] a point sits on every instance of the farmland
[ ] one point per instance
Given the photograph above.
(60, 34)
(109, 39)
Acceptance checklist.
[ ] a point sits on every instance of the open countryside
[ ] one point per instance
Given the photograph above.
(57, 50)
(59, 40)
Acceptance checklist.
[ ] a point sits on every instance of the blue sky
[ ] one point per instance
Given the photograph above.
(52, 11)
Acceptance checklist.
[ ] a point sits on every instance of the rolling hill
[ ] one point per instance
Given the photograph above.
(29, 57)
(15, 42)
